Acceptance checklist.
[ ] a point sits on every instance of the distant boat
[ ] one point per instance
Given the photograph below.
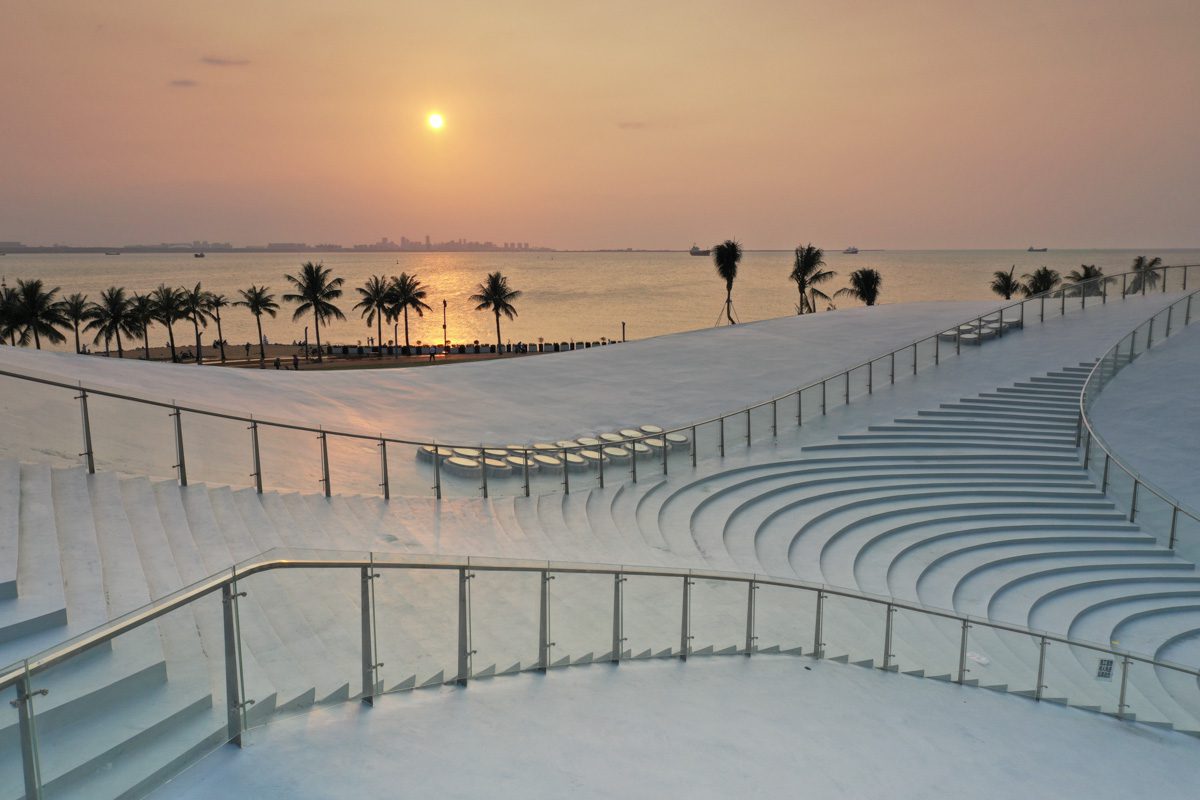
(112, 252)
(1033, 249)
(197, 255)
(851, 251)
(696, 251)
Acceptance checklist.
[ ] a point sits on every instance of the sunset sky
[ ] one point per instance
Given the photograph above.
(576, 125)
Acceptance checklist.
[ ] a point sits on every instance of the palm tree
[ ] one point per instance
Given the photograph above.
(807, 273)
(376, 303)
(39, 313)
(865, 285)
(110, 318)
(142, 314)
(1089, 274)
(1041, 281)
(75, 311)
(194, 303)
(1004, 284)
(260, 301)
(725, 258)
(408, 292)
(216, 302)
(315, 291)
(168, 309)
(495, 294)
(9, 315)
(1145, 276)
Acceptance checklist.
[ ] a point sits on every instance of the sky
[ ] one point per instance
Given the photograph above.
(934, 124)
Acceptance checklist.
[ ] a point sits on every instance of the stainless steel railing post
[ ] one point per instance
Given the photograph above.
(600, 464)
(1174, 521)
(694, 444)
(958, 339)
(27, 731)
(870, 377)
(823, 393)
(846, 388)
(437, 472)
(962, 652)
(255, 457)
(236, 707)
(774, 419)
(1121, 704)
(890, 610)
(1041, 674)
(1167, 334)
(799, 408)
(915, 357)
(181, 463)
(544, 643)
(464, 628)
(1124, 285)
(1133, 501)
(747, 427)
(633, 461)
(85, 419)
(751, 638)
(818, 628)
(685, 623)
(937, 359)
(525, 470)
(1063, 295)
(1042, 312)
(721, 431)
(1104, 475)
(566, 478)
(892, 371)
(325, 462)
(383, 470)
(618, 633)
(369, 650)
(663, 439)
(483, 459)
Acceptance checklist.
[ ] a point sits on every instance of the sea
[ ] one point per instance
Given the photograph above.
(564, 295)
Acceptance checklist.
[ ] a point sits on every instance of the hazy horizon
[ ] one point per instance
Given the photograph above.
(933, 125)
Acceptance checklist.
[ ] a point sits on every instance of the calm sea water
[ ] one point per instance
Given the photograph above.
(565, 295)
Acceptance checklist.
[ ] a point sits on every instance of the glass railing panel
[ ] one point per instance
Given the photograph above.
(416, 619)
(504, 621)
(880, 373)
(810, 403)
(58, 435)
(410, 470)
(132, 437)
(218, 450)
(355, 466)
(1082, 677)
(926, 355)
(581, 617)
(1161, 694)
(926, 643)
(997, 658)
(290, 459)
(12, 775)
(652, 615)
(835, 392)
(761, 424)
(858, 381)
(708, 439)
(155, 692)
(1153, 515)
(718, 615)
(785, 619)
(1187, 536)
(785, 412)
(1120, 486)
(854, 629)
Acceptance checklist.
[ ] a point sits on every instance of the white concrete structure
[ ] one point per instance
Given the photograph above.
(958, 489)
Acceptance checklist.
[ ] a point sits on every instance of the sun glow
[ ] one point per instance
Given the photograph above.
(436, 121)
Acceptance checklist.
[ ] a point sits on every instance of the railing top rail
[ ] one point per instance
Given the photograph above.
(1088, 394)
(283, 558)
(1074, 288)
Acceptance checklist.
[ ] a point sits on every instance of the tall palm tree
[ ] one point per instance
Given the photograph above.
(315, 292)
(408, 292)
(216, 302)
(168, 309)
(10, 322)
(865, 285)
(259, 300)
(39, 313)
(143, 314)
(194, 303)
(1042, 280)
(725, 258)
(1089, 274)
(376, 303)
(1146, 277)
(110, 318)
(1004, 284)
(496, 295)
(807, 274)
(75, 311)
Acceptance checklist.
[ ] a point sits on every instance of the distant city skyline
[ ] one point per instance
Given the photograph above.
(931, 124)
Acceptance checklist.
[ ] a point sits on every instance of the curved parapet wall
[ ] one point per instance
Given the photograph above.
(220, 447)
(1174, 522)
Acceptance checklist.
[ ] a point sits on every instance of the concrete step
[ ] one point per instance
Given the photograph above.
(10, 525)
(41, 603)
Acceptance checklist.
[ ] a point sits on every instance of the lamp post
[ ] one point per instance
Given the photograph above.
(445, 340)
(306, 343)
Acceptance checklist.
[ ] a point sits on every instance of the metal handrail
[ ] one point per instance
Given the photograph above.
(1088, 435)
(1083, 290)
(288, 558)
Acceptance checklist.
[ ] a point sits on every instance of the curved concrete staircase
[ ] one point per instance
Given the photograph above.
(979, 506)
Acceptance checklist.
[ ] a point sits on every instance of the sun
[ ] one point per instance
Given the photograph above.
(436, 122)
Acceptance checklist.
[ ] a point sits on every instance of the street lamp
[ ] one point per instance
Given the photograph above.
(445, 339)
